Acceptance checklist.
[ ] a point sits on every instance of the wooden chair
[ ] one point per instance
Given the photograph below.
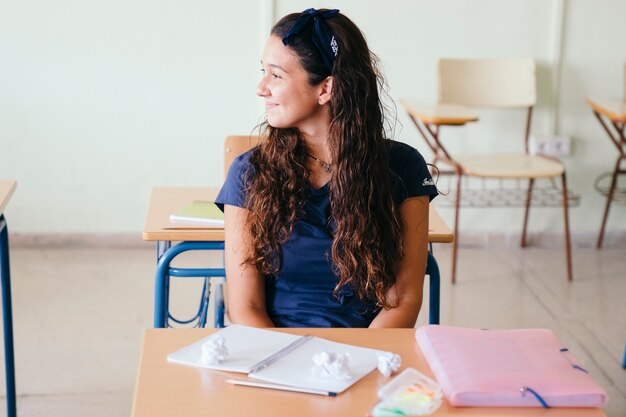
(235, 146)
(488, 83)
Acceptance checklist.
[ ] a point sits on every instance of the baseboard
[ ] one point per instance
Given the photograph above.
(613, 239)
(548, 240)
(78, 240)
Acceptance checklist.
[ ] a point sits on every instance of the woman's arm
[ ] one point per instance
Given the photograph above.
(246, 291)
(407, 292)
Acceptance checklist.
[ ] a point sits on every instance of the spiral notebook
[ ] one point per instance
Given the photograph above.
(249, 346)
(506, 368)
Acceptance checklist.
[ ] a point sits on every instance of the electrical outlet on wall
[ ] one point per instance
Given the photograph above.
(550, 145)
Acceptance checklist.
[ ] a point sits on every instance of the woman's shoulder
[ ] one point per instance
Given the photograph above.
(242, 164)
(233, 190)
(401, 153)
(244, 158)
(410, 174)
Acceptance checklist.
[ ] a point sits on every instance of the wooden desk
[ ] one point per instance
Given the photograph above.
(439, 114)
(165, 390)
(167, 200)
(613, 109)
(611, 113)
(7, 187)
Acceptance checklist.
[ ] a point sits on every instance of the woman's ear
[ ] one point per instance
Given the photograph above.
(326, 91)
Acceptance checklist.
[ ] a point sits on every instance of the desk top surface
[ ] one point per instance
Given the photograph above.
(439, 114)
(167, 200)
(613, 109)
(7, 187)
(165, 389)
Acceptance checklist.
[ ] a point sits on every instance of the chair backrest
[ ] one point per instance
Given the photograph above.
(488, 82)
(235, 146)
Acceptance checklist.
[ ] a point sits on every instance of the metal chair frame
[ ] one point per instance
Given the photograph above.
(619, 140)
(167, 253)
(7, 313)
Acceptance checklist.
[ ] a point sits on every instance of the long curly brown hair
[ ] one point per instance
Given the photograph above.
(364, 220)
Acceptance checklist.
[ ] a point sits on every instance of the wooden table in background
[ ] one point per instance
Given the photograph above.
(167, 200)
(613, 113)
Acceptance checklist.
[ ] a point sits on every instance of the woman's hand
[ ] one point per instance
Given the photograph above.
(407, 292)
(245, 298)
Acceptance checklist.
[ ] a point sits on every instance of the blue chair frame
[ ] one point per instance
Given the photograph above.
(7, 312)
(166, 254)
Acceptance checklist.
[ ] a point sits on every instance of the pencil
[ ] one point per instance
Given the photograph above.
(247, 383)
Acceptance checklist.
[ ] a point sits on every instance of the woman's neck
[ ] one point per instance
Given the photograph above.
(320, 162)
(317, 142)
(315, 135)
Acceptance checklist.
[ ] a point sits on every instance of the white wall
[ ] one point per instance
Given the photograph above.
(102, 100)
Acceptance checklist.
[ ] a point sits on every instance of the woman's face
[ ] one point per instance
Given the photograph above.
(289, 99)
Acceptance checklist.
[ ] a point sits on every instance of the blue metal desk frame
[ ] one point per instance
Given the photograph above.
(166, 254)
(7, 312)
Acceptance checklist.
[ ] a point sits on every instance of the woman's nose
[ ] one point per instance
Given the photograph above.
(261, 88)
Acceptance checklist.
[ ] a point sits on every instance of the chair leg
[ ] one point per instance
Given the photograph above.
(529, 196)
(609, 200)
(161, 290)
(432, 270)
(455, 244)
(7, 312)
(568, 245)
(219, 306)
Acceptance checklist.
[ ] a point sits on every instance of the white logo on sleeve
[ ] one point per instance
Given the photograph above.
(427, 181)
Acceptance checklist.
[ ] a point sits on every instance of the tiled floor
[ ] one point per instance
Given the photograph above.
(80, 314)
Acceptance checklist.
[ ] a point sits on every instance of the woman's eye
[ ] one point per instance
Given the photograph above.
(274, 75)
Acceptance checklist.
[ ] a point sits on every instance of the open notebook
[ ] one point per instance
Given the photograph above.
(248, 346)
(506, 368)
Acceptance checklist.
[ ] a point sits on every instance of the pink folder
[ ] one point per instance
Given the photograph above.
(506, 368)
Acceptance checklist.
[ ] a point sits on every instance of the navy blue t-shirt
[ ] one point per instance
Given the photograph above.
(301, 294)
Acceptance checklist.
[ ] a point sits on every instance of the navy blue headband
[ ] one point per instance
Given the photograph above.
(322, 37)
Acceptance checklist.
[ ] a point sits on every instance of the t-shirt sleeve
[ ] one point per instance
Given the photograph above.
(233, 191)
(412, 174)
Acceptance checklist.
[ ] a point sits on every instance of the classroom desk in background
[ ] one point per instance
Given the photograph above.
(165, 390)
(7, 187)
(167, 200)
(613, 113)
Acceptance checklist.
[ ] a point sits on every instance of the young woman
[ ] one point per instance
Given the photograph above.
(327, 220)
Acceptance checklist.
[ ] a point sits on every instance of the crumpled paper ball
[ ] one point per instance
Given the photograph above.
(214, 351)
(331, 365)
(388, 363)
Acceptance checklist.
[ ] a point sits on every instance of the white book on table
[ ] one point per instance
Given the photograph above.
(248, 346)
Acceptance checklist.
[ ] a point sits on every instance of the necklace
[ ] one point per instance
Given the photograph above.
(325, 165)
